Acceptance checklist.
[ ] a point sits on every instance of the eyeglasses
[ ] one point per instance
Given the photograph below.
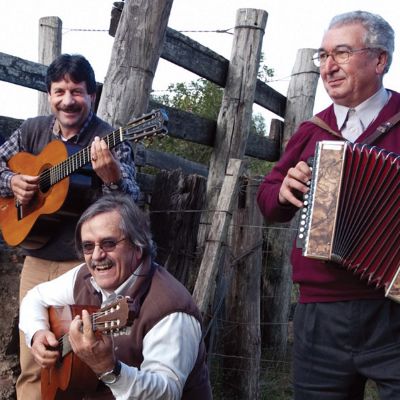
(340, 56)
(105, 244)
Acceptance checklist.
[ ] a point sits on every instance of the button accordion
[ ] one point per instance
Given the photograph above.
(351, 215)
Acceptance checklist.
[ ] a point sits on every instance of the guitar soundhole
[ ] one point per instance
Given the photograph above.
(44, 188)
(44, 182)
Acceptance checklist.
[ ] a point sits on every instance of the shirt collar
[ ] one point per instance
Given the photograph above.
(57, 128)
(110, 294)
(367, 111)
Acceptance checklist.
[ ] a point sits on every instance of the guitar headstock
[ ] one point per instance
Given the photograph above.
(114, 318)
(149, 125)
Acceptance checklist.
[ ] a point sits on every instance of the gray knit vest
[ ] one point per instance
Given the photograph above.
(36, 133)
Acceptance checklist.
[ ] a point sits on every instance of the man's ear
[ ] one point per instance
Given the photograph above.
(93, 99)
(382, 62)
(138, 253)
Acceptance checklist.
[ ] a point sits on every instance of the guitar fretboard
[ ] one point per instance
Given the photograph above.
(149, 125)
(77, 160)
(65, 344)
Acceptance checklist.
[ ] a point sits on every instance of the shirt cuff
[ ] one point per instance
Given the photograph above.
(6, 177)
(126, 378)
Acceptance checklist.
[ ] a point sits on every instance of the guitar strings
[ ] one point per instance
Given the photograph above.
(59, 171)
(94, 317)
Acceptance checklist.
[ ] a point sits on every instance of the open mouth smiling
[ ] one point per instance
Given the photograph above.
(102, 266)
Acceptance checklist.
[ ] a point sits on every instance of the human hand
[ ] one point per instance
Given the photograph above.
(295, 184)
(24, 187)
(95, 350)
(44, 348)
(104, 164)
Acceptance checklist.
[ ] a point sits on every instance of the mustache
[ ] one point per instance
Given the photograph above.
(69, 109)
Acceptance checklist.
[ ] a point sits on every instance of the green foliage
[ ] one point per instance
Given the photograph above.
(204, 98)
(265, 72)
(200, 97)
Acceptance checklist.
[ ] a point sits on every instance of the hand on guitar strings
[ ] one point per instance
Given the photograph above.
(44, 348)
(295, 184)
(24, 187)
(93, 348)
(104, 164)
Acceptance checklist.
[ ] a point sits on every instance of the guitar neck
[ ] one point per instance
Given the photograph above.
(82, 157)
(65, 345)
(148, 125)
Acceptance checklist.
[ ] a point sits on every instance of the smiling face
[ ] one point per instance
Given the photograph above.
(351, 83)
(109, 268)
(70, 103)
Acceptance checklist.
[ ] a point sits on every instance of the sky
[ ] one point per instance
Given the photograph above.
(291, 25)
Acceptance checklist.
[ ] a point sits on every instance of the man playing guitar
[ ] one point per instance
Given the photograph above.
(71, 87)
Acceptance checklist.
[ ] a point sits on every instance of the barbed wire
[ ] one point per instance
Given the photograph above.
(209, 31)
(227, 31)
(67, 30)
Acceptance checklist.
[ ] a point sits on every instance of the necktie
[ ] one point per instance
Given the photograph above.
(353, 127)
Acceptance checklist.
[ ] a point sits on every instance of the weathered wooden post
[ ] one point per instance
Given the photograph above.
(50, 38)
(137, 47)
(300, 103)
(217, 237)
(241, 331)
(234, 119)
(233, 125)
(176, 202)
(301, 92)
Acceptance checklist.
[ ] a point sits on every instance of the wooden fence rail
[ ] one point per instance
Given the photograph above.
(182, 125)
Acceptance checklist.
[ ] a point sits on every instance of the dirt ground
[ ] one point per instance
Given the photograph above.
(10, 268)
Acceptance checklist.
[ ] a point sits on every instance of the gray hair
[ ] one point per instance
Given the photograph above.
(379, 34)
(134, 224)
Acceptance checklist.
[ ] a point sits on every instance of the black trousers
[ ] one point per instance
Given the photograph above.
(338, 346)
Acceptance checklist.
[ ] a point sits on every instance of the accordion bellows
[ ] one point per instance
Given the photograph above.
(351, 215)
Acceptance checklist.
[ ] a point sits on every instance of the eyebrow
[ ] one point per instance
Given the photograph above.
(336, 47)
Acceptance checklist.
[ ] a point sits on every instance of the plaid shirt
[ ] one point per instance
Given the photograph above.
(122, 152)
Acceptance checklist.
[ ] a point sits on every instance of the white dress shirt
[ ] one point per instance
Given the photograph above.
(170, 348)
(361, 116)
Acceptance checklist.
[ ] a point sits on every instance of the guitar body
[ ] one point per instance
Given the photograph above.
(70, 378)
(33, 224)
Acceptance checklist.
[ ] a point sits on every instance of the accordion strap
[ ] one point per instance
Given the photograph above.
(322, 124)
(382, 128)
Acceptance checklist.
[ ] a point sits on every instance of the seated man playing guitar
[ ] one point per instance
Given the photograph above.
(162, 356)
(71, 87)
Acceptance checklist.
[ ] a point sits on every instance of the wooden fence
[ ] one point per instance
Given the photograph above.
(215, 242)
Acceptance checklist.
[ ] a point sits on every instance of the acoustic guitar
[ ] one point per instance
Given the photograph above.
(70, 378)
(64, 183)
